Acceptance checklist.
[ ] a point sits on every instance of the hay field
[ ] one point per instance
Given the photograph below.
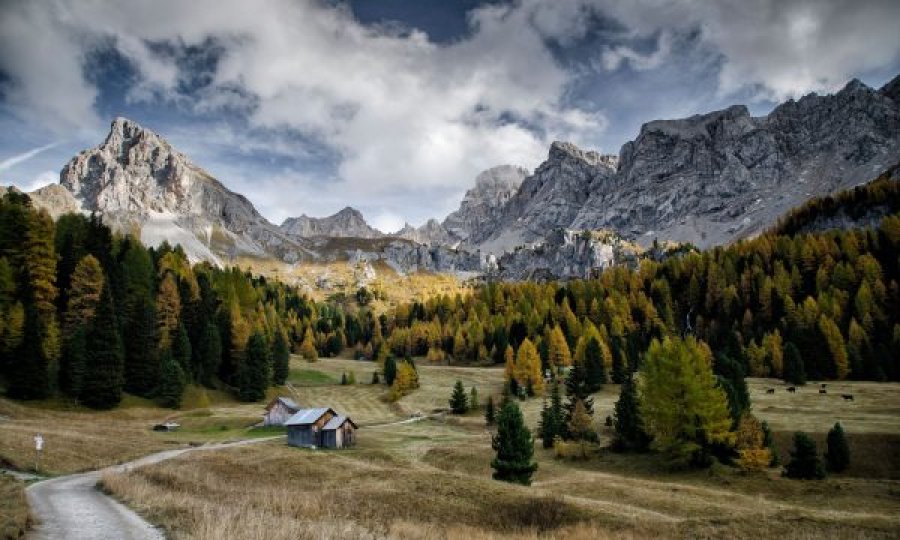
(431, 479)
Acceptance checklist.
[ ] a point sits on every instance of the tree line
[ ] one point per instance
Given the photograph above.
(88, 314)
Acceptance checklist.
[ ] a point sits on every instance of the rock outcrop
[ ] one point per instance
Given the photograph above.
(432, 233)
(137, 181)
(53, 198)
(483, 205)
(347, 223)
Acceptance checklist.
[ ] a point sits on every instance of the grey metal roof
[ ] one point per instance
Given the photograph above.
(289, 403)
(337, 422)
(305, 417)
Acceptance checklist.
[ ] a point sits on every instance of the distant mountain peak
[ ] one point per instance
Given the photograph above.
(347, 222)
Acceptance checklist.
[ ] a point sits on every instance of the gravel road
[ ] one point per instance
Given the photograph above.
(72, 508)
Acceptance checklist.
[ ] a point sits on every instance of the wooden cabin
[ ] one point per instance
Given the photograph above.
(339, 432)
(321, 427)
(279, 410)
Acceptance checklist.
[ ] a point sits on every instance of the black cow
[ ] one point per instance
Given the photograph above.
(823, 391)
(770, 390)
(792, 389)
(848, 397)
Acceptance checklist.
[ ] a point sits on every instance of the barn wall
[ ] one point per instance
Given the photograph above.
(300, 436)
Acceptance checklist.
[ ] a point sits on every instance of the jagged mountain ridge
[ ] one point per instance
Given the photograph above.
(712, 178)
(348, 222)
(138, 182)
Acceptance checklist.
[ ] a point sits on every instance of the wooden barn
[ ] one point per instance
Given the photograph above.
(321, 427)
(279, 410)
(339, 432)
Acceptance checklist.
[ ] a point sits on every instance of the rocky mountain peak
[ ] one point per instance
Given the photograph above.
(565, 150)
(483, 204)
(347, 222)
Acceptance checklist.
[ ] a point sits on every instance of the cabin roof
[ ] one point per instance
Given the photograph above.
(337, 422)
(304, 417)
(288, 402)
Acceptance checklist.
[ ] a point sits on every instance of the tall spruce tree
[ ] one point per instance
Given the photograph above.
(281, 359)
(805, 463)
(630, 434)
(837, 455)
(594, 368)
(141, 353)
(210, 352)
(256, 370)
(104, 361)
(794, 371)
(553, 417)
(490, 414)
(514, 447)
(181, 349)
(390, 370)
(171, 381)
(72, 362)
(459, 403)
(29, 375)
(576, 390)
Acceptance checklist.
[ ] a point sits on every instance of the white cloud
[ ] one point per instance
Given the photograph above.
(43, 179)
(613, 57)
(24, 156)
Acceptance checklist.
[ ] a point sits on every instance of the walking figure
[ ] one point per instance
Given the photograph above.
(38, 447)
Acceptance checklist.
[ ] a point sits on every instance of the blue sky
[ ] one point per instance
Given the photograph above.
(394, 106)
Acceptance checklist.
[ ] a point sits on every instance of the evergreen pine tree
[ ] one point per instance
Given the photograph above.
(171, 381)
(210, 353)
(490, 415)
(794, 371)
(594, 369)
(552, 418)
(581, 427)
(474, 405)
(837, 456)
(255, 372)
(514, 447)
(104, 362)
(29, 376)
(576, 390)
(630, 434)
(141, 351)
(72, 363)
(308, 347)
(619, 361)
(181, 349)
(390, 370)
(805, 463)
(769, 442)
(459, 403)
(281, 358)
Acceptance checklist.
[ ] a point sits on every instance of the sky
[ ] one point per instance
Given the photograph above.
(394, 106)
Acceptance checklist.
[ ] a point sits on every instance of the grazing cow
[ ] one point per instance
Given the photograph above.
(770, 390)
(848, 397)
(792, 389)
(823, 391)
(824, 385)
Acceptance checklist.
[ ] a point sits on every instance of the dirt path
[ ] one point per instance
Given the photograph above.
(71, 507)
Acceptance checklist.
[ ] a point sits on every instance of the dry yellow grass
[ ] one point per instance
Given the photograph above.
(431, 479)
(13, 508)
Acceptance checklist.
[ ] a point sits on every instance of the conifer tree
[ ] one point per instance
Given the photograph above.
(29, 376)
(168, 309)
(72, 364)
(308, 347)
(837, 455)
(683, 408)
(558, 351)
(390, 370)
(514, 447)
(84, 294)
(474, 405)
(769, 442)
(630, 434)
(838, 365)
(490, 415)
(256, 370)
(794, 372)
(805, 463)
(619, 361)
(281, 359)
(576, 390)
(344, 381)
(750, 444)
(181, 349)
(104, 362)
(552, 418)
(459, 404)
(581, 427)
(141, 351)
(528, 369)
(210, 352)
(594, 367)
(171, 381)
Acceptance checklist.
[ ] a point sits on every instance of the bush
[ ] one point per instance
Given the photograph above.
(543, 514)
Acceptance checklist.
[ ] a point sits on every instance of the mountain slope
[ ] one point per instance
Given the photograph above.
(712, 178)
(139, 182)
(349, 222)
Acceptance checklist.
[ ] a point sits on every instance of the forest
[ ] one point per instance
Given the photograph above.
(89, 314)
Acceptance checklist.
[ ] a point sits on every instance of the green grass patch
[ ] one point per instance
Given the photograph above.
(266, 431)
(310, 377)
